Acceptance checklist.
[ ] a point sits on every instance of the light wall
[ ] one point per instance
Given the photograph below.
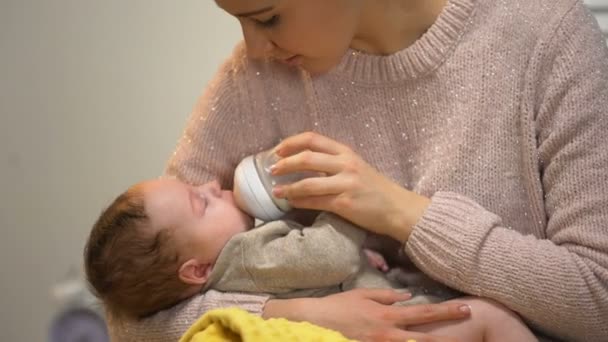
(93, 97)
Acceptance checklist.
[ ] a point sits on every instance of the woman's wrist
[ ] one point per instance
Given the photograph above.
(408, 217)
(284, 308)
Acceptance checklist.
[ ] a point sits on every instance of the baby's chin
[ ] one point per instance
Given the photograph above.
(250, 220)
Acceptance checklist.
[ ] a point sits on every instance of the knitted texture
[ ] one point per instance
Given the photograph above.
(170, 325)
(232, 324)
(498, 113)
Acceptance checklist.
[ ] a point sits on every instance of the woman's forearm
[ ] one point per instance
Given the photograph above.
(466, 247)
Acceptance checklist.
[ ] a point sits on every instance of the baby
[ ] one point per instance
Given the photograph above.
(163, 241)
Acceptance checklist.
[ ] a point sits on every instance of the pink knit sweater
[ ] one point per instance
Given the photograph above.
(499, 113)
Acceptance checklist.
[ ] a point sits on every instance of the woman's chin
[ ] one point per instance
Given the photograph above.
(321, 66)
(316, 69)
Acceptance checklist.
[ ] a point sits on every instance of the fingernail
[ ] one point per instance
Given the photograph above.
(277, 191)
(404, 293)
(273, 169)
(278, 151)
(465, 309)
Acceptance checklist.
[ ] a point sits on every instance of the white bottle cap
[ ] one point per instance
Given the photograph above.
(250, 194)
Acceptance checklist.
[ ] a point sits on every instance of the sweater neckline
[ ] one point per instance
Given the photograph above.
(423, 56)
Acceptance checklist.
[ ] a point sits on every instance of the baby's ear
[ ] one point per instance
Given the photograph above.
(195, 273)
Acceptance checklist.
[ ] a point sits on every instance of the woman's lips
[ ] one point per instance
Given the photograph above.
(293, 60)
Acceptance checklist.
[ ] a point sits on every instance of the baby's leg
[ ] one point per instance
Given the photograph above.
(489, 321)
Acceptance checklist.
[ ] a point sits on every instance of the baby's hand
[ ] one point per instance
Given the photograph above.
(376, 260)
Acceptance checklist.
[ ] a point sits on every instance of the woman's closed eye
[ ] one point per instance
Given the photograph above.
(273, 21)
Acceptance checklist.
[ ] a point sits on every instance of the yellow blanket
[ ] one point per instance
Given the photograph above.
(232, 324)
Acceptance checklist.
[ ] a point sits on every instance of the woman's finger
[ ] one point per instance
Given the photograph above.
(321, 203)
(312, 187)
(308, 161)
(411, 336)
(428, 313)
(309, 141)
(331, 203)
(383, 296)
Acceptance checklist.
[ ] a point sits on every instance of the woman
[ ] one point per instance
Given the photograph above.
(472, 131)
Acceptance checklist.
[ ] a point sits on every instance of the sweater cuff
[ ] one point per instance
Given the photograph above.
(446, 242)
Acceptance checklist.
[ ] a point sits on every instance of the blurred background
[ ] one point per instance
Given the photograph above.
(93, 97)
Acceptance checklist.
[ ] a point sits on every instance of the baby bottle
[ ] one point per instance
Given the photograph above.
(253, 185)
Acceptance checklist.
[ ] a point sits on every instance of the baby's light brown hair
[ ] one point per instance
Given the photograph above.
(132, 268)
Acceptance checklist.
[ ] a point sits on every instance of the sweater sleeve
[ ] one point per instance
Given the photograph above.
(283, 258)
(558, 282)
(229, 122)
(170, 324)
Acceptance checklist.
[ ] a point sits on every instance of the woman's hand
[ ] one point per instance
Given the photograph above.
(352, 189)
(367, 314)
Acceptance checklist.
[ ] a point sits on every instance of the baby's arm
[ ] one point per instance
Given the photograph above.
(283, 256)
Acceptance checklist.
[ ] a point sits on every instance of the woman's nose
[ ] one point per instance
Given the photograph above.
(258, 44)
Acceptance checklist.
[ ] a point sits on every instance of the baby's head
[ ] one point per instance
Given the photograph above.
(156, 244)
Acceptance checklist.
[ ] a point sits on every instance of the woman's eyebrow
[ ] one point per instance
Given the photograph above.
(256, 12)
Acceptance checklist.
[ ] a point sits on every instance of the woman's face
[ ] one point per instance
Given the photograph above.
(312, 33)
